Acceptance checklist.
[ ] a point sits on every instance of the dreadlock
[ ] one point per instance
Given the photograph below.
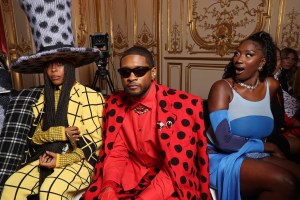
(269, 51)
(58, 118)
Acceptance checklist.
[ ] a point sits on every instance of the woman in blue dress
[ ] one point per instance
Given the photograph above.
(242, 164)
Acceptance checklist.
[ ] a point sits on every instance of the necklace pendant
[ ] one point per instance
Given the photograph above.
(141, 110)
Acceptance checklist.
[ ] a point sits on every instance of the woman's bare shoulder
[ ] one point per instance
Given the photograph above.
(221, 85)
(274, 85)
(220, 95)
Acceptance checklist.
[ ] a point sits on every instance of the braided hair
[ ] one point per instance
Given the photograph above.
(58, 118)
(265, 40)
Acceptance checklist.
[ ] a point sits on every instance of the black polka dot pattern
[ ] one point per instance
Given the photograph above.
(120, 119)
(181, 140)
(50, 22)
(51, 12)
(180, 135)
(112, 112)
(164, 136)
(189, 111)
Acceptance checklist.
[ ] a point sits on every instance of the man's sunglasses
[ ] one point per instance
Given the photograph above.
(137, 71)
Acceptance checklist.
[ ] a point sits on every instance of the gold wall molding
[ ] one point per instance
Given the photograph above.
(5, 5)
(145, 37)
(24, 46)
(82, 33)
(291, 31)
(175, 30)
(191, 31)
(120, 40)
(9, 23)
(110, 15)
(98, 15)
(197, 58)
(220, 25)
(120, 37)
(175, 42)
(279, 20)
(119, 29)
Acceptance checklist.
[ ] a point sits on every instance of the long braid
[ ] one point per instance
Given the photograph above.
(49, 107)
(58, 118)
(63, 103)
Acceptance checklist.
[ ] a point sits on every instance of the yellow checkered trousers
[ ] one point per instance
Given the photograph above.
(73, 170)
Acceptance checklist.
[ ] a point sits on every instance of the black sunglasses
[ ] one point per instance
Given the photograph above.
(138, 71)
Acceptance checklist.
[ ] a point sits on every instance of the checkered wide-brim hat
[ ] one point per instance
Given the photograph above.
(51, 28)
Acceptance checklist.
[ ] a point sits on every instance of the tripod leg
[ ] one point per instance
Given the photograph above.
(110, 83)
(95, 80)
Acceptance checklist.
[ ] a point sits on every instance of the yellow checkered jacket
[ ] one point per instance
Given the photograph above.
(85, 112)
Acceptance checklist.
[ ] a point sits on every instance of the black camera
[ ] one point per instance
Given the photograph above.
(101, 41)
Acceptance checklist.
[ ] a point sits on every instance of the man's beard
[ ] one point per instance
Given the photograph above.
(141, 93)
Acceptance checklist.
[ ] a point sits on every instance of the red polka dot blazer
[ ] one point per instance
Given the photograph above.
(180, 125)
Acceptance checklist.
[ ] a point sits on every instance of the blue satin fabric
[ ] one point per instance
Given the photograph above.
(225, 170)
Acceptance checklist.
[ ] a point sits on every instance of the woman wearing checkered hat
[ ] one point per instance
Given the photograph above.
(63, 118)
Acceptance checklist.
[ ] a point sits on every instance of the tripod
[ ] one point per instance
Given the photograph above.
(103, 75)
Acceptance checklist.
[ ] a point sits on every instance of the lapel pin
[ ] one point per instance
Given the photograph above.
(160, 124)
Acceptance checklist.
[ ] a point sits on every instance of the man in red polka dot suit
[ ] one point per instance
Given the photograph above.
(154, 143)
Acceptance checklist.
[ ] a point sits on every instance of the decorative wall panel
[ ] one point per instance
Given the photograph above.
(201, 76)
(121, 23)
(132, 24)
(146, 27)
(191, 40)
(175, 26)
(289, 33)
(220, 25)
(174, 75)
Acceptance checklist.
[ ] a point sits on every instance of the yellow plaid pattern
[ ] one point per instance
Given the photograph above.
(85, 112)
(63, 183)
(51, 135)
(73, 171)
(69, 158)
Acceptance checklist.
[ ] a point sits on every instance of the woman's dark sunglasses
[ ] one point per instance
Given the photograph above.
(138, 71)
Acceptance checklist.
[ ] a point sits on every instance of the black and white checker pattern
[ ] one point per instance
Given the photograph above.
(5, 80)
(51, 28)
